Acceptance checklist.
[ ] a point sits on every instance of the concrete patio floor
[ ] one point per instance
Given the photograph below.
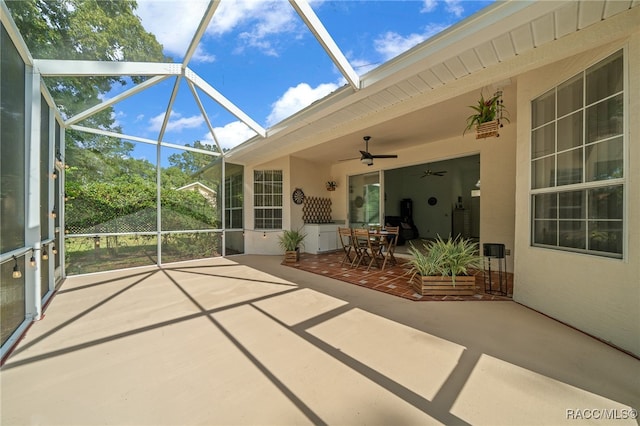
(245, 340)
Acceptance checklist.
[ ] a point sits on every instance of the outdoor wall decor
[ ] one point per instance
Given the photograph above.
(298, 196)
(316, 210)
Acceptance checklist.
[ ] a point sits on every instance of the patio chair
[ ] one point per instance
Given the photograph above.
(368, 248)
(346, 240)
(393, 233)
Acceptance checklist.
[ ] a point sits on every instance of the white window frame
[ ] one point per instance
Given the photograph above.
(271, 198)
(584, 185)
(233, 186)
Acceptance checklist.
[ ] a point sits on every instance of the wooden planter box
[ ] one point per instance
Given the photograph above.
(488, 129)
(292, 256)
(443, 286)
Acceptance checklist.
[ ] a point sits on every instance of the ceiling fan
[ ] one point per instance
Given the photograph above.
(367, 157)
(430, 172)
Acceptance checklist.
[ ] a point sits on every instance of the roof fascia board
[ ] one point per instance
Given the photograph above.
(139, 139)
(202, 28)
(204, 114)
(58, 67)
(324, 38)
(15, 36)
(107, 103)
(498, 19)
(224, 102)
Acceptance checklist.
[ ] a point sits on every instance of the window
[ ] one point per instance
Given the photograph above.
(267, 199)
(233, 201)
(577, 162)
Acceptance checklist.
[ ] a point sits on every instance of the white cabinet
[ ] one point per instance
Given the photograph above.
(321, 237)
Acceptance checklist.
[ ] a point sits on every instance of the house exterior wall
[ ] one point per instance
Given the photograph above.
(297, 173)
(311, 178)
(598, 295)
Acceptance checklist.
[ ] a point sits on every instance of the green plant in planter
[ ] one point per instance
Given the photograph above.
(291, 240)
(451, 257)
(487, 110)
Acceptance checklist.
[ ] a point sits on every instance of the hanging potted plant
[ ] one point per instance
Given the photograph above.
(291, 241)
(444, 267)
(488, 117)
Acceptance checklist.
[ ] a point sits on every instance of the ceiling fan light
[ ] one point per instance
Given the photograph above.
(367, 161)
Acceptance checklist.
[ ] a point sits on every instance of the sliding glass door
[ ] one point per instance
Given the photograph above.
(364, 200)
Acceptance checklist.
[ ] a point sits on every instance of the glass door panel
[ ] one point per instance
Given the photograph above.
(364, 200)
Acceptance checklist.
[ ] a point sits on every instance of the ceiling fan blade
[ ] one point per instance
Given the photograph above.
(383, 156)
(365, 154)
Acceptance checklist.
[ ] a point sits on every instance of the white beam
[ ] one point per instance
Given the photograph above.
(107, 103)
(137, 139)
(167, 114)
(204, 114)
(224, 102)
(112, 134)
(56, 67)
(322, 35)
(204, 23)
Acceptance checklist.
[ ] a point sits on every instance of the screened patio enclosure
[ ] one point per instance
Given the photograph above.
(101, 169)
(79, 195)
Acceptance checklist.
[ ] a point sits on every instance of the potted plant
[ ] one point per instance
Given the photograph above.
(290, 241)
(443, 267)
(487, 117)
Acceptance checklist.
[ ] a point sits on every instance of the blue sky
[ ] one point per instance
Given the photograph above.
(261, 56)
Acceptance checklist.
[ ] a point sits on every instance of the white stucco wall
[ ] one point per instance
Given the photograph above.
(598, 295)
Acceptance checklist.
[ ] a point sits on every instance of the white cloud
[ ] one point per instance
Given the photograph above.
(173, 24)
(116, 116)
(452, 6)
(230, 135)
(176, 122)
(267, 17)
(391, 44)
(455, 7)
(429, 6)
(297, 98)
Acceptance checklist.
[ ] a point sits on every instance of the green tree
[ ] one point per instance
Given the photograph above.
(193, 162)
(105, 30)
(109, 190)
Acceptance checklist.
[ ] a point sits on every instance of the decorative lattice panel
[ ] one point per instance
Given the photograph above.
(316, 210)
